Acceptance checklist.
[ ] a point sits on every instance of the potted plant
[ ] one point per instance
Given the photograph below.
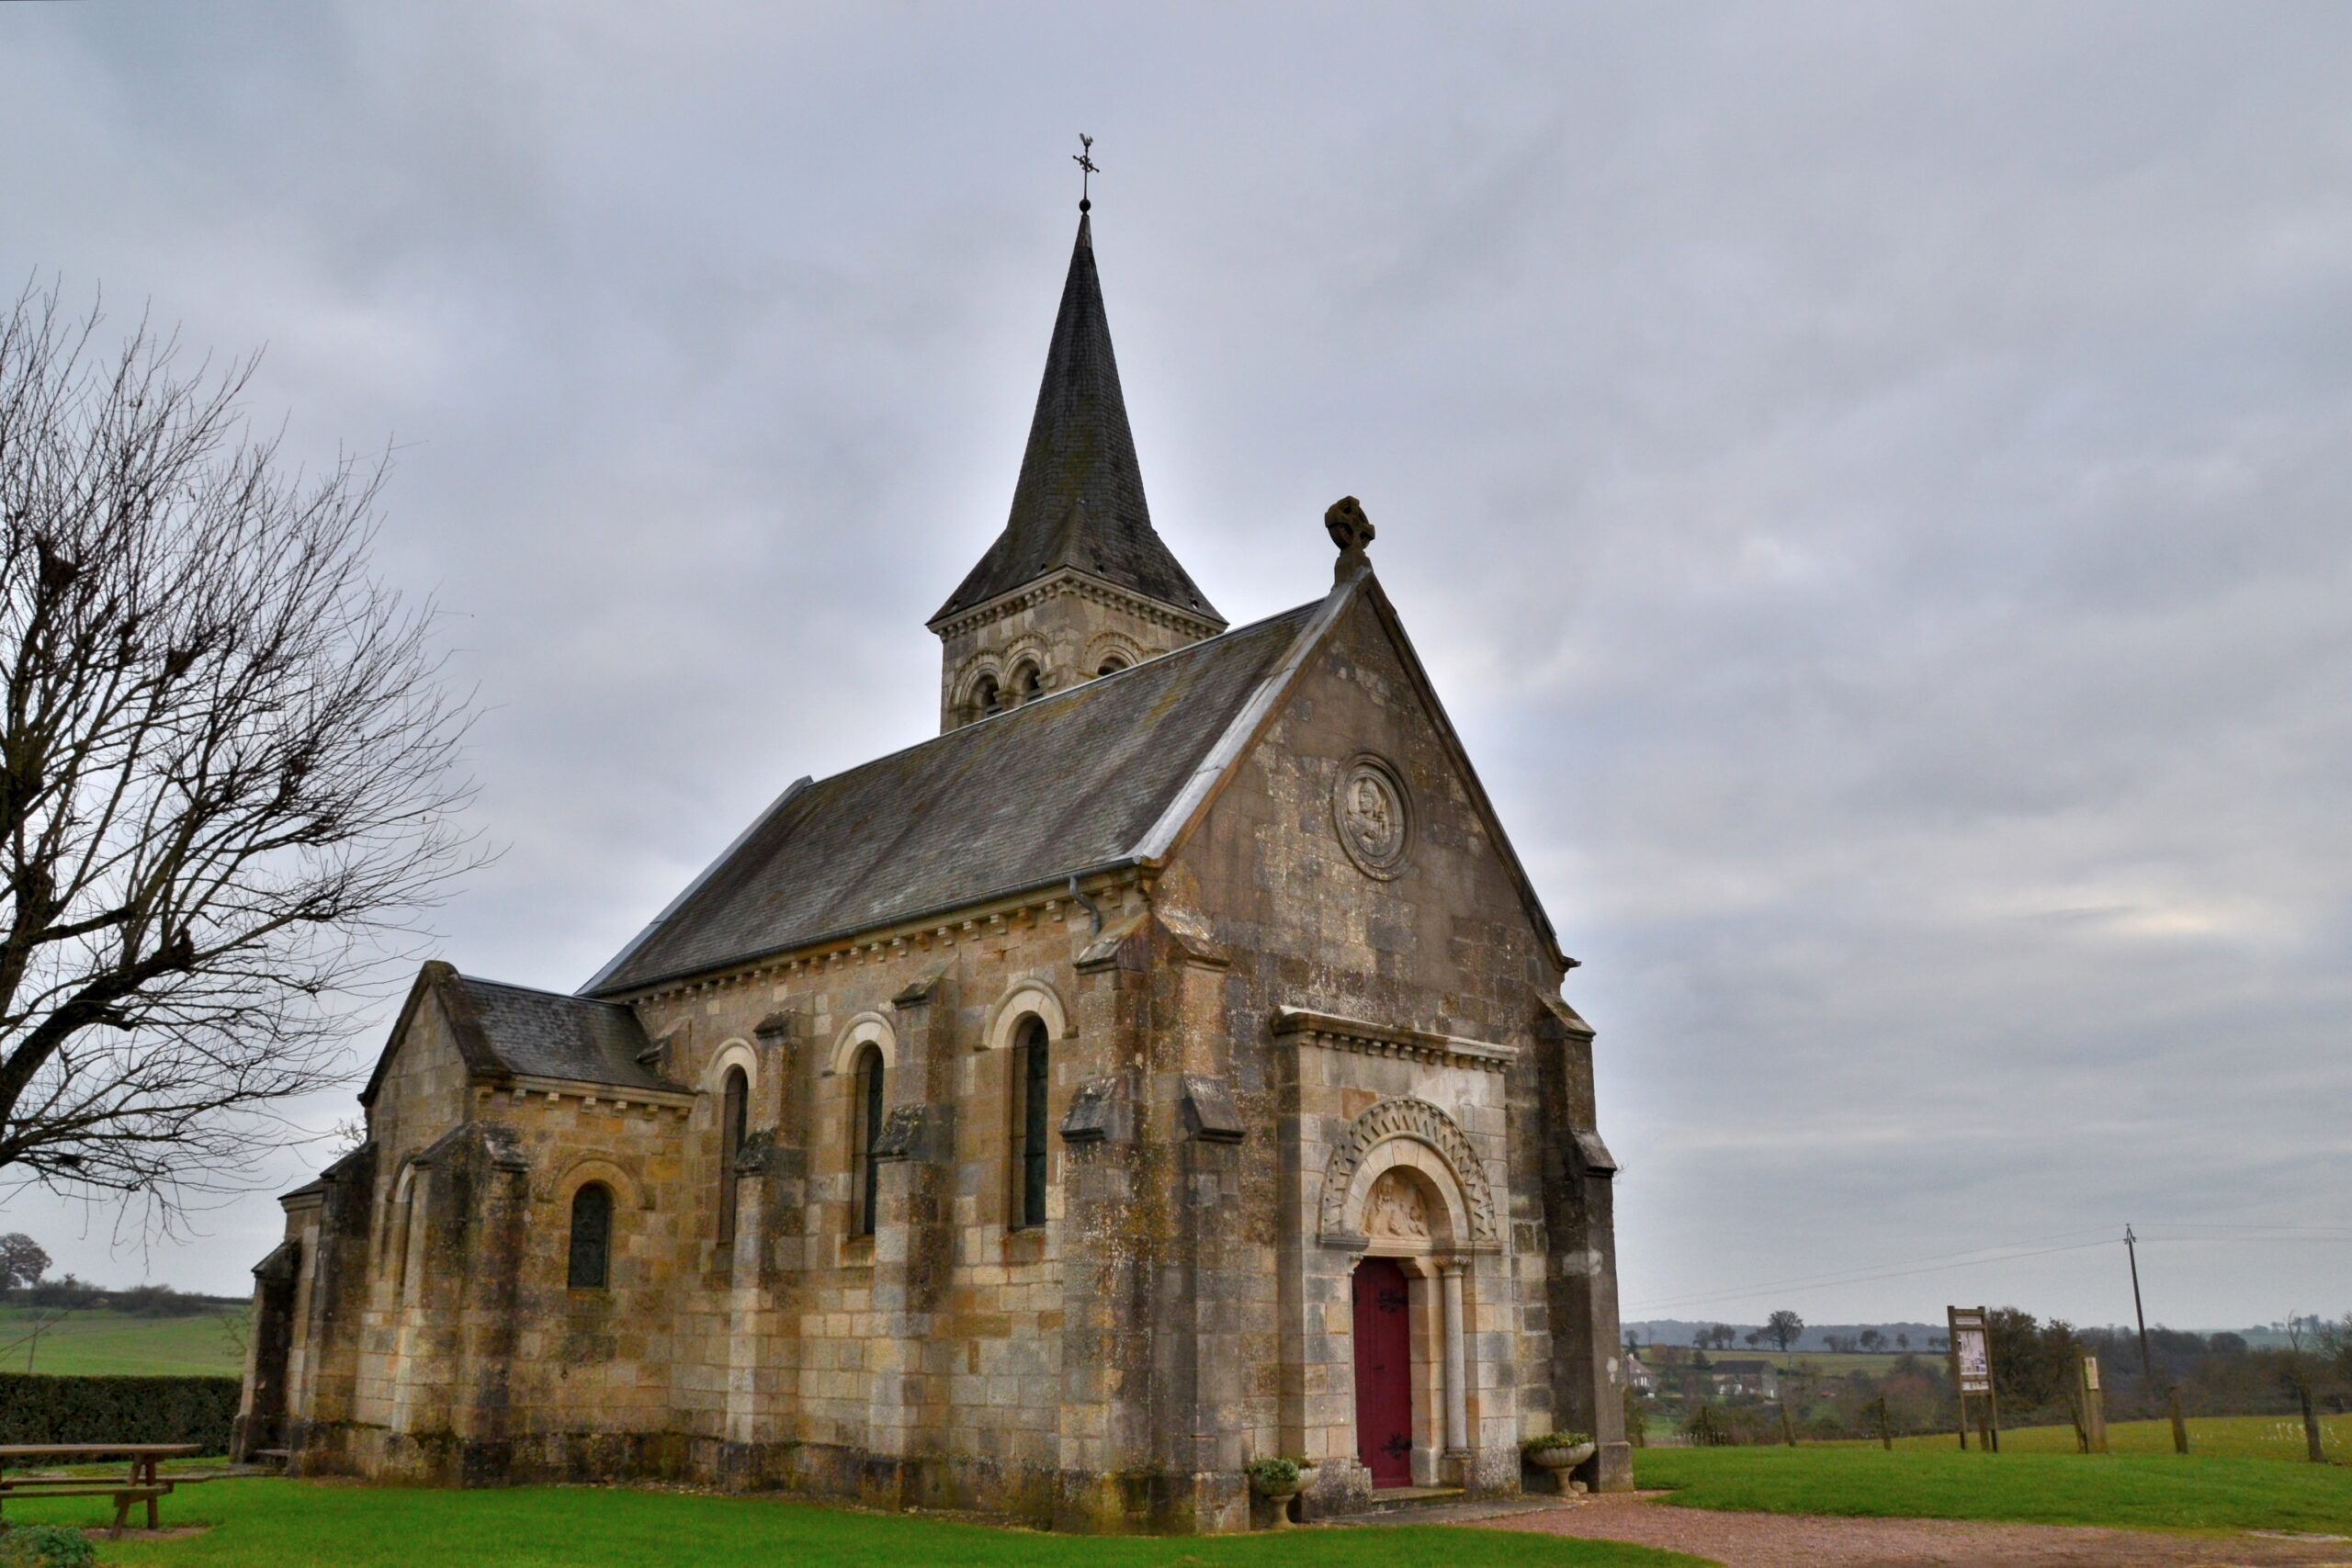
(1558, 1452)
(1277, 1481)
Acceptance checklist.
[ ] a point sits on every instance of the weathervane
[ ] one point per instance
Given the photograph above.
(1088, 169)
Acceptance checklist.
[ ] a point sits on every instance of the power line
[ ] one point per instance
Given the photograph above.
(2250, 1227)
(1897, 1263)
(1835, 1275)
(1887, 1274)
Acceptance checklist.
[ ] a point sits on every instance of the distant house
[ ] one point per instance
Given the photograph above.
(1637, 1376)
(1739, 1380)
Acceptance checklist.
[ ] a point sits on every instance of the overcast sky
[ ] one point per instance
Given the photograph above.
(1871, 485)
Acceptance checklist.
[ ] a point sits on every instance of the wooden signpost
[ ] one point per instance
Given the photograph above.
(1971, 1338)
(2091, 1401)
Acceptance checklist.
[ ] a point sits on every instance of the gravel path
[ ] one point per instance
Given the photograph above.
(1780, 1540)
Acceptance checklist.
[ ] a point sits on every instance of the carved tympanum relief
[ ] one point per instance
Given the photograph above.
(1373, 816)
(1397, 1208)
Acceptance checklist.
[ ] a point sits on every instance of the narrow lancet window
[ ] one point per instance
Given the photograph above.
(1031, 1080)
(734, 1111)
(591, 1236)
(866, 1135)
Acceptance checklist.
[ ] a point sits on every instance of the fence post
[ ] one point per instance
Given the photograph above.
(2310, 1424)
(2180, 1427)
(1788, 1428)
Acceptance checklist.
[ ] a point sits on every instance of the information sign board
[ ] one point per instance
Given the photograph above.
(1972, 1349)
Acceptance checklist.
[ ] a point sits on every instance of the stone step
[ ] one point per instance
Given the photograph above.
(1388, 1499)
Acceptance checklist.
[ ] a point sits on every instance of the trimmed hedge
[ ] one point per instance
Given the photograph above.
(35, 1408)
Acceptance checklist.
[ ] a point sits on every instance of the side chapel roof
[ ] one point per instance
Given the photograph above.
(1079, 501)
(508, 1031)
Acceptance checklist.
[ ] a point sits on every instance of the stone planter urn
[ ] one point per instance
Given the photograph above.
(1278, 1496)
(1560, 1459)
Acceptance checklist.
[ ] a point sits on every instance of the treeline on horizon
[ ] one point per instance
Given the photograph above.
(1891, 1339)
(67, 1293)
(2034, 1377)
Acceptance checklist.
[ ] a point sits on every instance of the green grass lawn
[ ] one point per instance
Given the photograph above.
(2238, 1436)
(2128, 1491)
(293, 1524)
(114, 1344)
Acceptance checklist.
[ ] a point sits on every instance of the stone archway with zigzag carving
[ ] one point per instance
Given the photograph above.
(1408, 1117)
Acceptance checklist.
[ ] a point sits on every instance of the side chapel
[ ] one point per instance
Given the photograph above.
(1162, 1068)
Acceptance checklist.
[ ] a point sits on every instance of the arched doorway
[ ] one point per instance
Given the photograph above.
(1409, 1324)
(1383, 1371)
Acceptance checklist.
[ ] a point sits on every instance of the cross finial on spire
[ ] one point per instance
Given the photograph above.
(1088, 169)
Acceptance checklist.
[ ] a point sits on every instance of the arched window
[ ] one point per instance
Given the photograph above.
(1112, 667)
(1028, 685)
(591, 1236)
(986, 696)
(1030, 1124)
(734, 1110)
(866, 1132)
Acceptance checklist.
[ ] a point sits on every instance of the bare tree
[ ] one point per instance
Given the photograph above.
(1783, 1326)
(228, 763)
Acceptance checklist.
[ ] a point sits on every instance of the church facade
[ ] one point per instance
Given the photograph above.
(1163, 1067)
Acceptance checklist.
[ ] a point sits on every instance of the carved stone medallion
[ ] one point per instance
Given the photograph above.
(1375, 821)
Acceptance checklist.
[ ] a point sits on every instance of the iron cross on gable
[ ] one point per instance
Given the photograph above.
(1087, 168)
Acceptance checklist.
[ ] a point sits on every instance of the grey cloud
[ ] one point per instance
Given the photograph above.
(1869, 483)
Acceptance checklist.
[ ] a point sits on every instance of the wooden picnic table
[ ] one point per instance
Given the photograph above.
(142, 1485)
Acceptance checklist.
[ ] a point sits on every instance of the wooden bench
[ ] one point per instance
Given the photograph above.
(142, 1485)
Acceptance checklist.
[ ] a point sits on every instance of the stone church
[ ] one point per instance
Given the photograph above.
(1163, 1067)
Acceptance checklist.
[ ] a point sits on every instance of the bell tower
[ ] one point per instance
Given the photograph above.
(1078, 584)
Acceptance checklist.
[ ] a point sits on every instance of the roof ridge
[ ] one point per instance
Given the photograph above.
(1105, 757)
(465, 978)
(1193, 796)
(1089, 684)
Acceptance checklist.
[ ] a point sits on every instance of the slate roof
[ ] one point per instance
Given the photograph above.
(1066, 783)
(1079, 501)
(544, 1035)
(507, 1031)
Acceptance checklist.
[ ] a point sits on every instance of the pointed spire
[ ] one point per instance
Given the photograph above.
(1079, 503)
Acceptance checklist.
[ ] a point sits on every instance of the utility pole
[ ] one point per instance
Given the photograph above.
(2130, 1250)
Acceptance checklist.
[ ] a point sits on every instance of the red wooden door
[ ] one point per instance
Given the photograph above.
(1383, 1386)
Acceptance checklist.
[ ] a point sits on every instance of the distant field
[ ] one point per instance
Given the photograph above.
(1824, 1363)
(2237, 1437)
(1831, 1363)
(113, 1344)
